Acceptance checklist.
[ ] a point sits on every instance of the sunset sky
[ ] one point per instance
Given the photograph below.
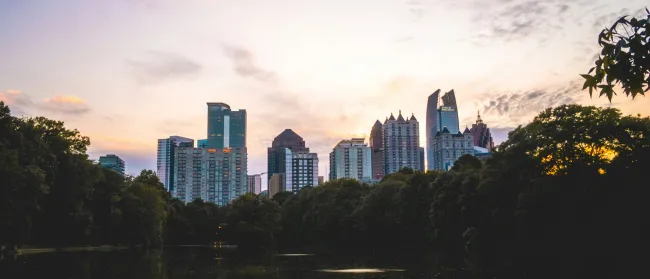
(128, 72)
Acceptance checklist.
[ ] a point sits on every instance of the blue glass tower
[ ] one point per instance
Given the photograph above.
(226, 128)
(448, 117)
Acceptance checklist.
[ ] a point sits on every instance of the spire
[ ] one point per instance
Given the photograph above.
(478, 118)
(400, 118)
(413, 117)
(445, 130)
(391, 117)
(467, 131)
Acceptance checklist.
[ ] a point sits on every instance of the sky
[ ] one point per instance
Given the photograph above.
(129, 72)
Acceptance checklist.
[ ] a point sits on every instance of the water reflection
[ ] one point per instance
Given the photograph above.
(360, 270)
(195, 262)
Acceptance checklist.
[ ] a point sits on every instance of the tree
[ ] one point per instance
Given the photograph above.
(624, 60)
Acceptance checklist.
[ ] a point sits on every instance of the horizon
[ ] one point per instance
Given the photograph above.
(127, 73)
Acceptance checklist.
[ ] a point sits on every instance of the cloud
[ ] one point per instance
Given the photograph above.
(66, 104)
(513, 108)
(16, 100)
(244, 64)
(164, 66)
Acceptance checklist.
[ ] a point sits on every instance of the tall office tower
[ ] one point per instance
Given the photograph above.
(482, 135)
(226, 128)
(432, 125)
(401, 143)
(276, 153)
(449, 99)
(448, 118)
(166, 159)
(112, 161)
(255, 184)
(351, 159)
(301, 170)
(212, 174)
(276, 184)
(377, 147)
(449, 147)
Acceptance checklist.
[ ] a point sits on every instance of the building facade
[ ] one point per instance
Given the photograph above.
(431, 125)
(226, 128)
(377, 148)
(321, 180)
(113, 162)
(276, 184)
(165, 159)
(401, 141)
(276, 154)
(301, 170)
(448, 118)
(449, 147)
(255, 184)
(482, 135)
(212, 174)
(351, 159)
(202, 143)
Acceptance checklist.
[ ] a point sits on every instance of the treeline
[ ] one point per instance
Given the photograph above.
(566, 192)
(52, 195)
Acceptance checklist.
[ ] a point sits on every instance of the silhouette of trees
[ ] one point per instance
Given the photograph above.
(624, 59)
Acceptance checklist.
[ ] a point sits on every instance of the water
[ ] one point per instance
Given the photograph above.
(199, 262)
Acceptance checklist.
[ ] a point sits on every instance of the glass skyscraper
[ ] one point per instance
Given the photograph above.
(113, 162)
(440, 115)
(448, 117)
(166, 159)
(226, 128)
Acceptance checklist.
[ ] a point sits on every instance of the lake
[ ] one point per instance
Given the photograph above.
(201, 262)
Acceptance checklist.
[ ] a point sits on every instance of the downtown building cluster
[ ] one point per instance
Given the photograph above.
(216, 169)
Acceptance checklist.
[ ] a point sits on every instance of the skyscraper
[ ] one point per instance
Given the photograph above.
(482, 135)
(212, 174)
(113, 162)
(276, 184)
(166, 159)
(255, 184)
(449, 147)
(276, 153)
(226, 128)
(351, 159)
(432, 125)
(448, 117)
(401, 143)
(377, 146)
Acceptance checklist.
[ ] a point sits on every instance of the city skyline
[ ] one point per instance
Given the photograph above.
(128, 73)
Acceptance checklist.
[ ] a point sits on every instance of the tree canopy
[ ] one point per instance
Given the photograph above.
(624, 59)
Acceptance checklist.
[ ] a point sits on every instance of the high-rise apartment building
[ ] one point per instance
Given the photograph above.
(301, 170)
(401, 141)
(276, 153)
(432, 125)
(113, 162)
(351, 159)
(377, 146)
(226, 128)
(165, 159)
(449, 147)
(215, 175)
(255, 184)
(482, 135)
